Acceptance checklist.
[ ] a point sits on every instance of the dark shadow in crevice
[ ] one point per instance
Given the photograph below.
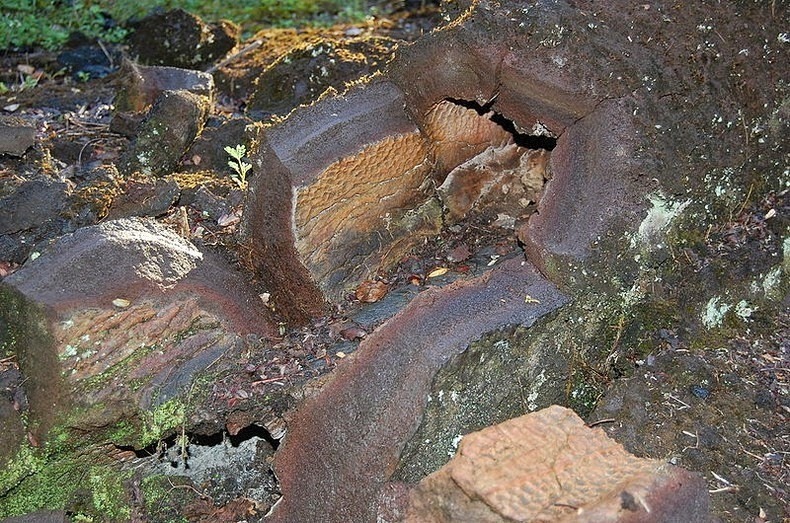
(528, 141)
(210, 440)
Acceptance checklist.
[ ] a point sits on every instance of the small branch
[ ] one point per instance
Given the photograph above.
(246, 49)
(723, 489)
(188, 487)
(600, 422)
(720, 479)
(685, 405)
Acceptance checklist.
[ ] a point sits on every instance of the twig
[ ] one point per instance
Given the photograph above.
(188, 487)
(724, 489)
(745, 129)
(685, 405)
(79, 158)
(600, 422)
(752, 454)
(246, 49)
(269, 380)
(616, 342)
(104, 50)
(720, 479)
(745, 201)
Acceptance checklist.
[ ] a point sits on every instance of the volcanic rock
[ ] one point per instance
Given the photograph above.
(119, 317)
(164, 135)
(180, 39)
(301, 75)
(16, 135)
(142, 85)
(549, 466)
(31, 204)
(343, 445)
(361, 175)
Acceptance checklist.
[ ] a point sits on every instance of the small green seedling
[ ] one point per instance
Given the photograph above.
(239, 166)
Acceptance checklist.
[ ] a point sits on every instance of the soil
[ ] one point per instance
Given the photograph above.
(721, 410)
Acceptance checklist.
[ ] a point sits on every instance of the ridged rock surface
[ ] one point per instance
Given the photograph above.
(549, 466)
(362, 174)
(121, 316)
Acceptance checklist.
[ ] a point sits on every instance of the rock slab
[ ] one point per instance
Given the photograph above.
(118, 318)
(549, 466)
(16, 136)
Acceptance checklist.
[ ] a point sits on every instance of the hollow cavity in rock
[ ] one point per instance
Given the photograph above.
(363, 212)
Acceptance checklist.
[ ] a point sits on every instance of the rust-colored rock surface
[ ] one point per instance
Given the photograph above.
(505, 179)
(343, 445)
(363, 177)
(549, 466)
(129, 313)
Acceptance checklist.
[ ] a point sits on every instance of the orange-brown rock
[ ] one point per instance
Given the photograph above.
(363, 177)
(507, 179)
(343, 445)
(549, 466)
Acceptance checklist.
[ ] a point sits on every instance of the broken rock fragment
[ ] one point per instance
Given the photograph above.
(142, 85)
(301, 75)
(120, 317)
(16, 135)
(181, 39)
(168, 130)
(503, 179)
(549, 466)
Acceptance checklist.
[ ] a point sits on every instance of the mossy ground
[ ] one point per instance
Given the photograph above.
(60, 476)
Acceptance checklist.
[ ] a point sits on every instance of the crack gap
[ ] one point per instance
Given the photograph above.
(528, 141)
(203, 440)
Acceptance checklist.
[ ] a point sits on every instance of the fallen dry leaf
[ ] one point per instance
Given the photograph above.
(371, 291)
(26, 69)
(229, 219)
(6, 268)
(438, 272)
(353, 333)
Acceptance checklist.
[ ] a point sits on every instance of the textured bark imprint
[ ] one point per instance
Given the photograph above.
(342, 446)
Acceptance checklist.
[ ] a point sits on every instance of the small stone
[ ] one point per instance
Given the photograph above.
(371, 291)
(700, 392)
(16, 135)
(764, 399)
(458, 254)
